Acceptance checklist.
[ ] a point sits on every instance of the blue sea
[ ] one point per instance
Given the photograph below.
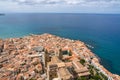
(102, 31)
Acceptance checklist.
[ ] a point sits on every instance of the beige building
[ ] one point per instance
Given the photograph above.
(56, 70)
(80, 69)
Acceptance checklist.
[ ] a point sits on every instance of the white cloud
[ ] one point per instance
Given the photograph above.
(108, 6)
(69, 2)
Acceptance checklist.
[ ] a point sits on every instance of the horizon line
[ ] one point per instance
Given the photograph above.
(52, 13)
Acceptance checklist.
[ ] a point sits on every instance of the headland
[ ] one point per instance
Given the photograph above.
(1, 14)
(49, 57)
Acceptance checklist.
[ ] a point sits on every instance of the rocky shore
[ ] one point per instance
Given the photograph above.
(18, 63)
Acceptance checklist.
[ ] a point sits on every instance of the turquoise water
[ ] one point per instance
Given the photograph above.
(102, 31)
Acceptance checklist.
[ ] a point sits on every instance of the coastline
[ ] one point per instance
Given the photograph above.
(97, 58)
(91, 47)
(87, 53)
(107, 64)
(99, 61)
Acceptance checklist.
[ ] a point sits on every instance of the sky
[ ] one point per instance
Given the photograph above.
(60, 6)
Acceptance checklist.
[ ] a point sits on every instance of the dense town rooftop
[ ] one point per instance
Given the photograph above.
(34, 56)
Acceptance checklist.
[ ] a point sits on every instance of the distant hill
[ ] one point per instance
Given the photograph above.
(2, 14)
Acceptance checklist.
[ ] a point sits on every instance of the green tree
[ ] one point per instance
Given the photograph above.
(82, 61)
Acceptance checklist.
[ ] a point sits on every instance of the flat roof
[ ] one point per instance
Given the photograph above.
(55, 59)
(61, 64)
(64, 73)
